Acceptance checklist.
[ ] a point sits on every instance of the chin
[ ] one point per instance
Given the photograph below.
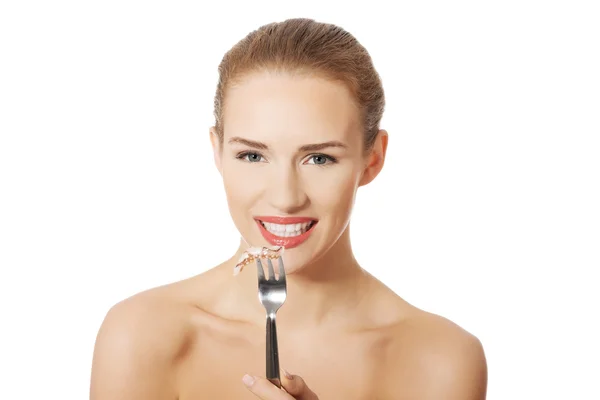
(295, 260)
(300, 251)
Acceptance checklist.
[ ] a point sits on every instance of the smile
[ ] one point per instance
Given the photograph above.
(285, 231)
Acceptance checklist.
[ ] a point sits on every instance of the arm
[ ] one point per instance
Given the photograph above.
(443, 362)
(134, 354)
(458, 373)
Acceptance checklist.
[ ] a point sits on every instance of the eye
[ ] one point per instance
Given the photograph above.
(320, 159)
(250, 157)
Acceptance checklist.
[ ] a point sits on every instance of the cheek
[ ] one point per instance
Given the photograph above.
(240, 188)
(335, 196)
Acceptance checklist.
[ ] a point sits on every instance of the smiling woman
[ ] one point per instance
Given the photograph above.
(287, 137)
(297, 108)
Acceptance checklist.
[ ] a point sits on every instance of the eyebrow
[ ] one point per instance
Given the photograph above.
(306, 147)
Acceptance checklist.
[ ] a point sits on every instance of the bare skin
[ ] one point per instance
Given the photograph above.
(189, 340)
(341, 332)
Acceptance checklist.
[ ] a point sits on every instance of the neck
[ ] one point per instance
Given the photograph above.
(316, 294)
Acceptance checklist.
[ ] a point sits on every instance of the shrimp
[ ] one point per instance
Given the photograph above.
(254, 253)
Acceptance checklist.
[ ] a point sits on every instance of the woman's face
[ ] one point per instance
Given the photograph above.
(291, 160)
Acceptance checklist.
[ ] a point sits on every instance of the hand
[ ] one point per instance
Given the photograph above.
(295, 388)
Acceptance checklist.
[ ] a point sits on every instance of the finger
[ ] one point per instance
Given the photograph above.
(295, 385)
(263, 389)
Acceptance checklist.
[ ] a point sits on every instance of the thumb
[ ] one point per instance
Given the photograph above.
(295, 385)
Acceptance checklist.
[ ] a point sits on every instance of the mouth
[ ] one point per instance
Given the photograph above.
(288, 232)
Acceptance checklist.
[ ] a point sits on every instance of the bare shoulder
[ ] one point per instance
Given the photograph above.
(138, 346)
(440, 358)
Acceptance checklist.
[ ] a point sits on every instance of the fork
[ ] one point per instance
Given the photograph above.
(272, 292)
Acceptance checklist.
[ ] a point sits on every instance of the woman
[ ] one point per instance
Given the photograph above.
(297, 108)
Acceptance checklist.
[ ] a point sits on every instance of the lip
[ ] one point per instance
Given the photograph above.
(285, 220)
(286, 242)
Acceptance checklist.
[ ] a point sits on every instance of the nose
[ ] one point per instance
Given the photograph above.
(286, 192)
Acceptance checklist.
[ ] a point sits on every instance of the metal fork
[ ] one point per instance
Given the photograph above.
(272, 293)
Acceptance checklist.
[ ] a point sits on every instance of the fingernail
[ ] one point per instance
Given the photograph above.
(287, 374)
(248, 380)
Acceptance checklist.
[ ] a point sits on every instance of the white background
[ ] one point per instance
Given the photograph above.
(487, 211)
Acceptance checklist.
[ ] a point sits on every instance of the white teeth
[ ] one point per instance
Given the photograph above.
(286, 230)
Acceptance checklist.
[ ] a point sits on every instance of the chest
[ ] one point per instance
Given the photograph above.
(335, 368)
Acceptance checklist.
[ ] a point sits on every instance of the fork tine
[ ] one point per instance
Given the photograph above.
(260, 270)
(271, 270)
(281, 269)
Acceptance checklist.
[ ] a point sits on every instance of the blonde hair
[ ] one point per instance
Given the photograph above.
(305, 45)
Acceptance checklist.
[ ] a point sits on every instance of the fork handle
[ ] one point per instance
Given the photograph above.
(272, 352)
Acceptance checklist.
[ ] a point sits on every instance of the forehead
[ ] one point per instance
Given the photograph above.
(296, 109)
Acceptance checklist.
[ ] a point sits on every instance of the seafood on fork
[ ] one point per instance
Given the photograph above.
(253, 253)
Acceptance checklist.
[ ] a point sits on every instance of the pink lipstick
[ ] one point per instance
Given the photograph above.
(288, 232)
